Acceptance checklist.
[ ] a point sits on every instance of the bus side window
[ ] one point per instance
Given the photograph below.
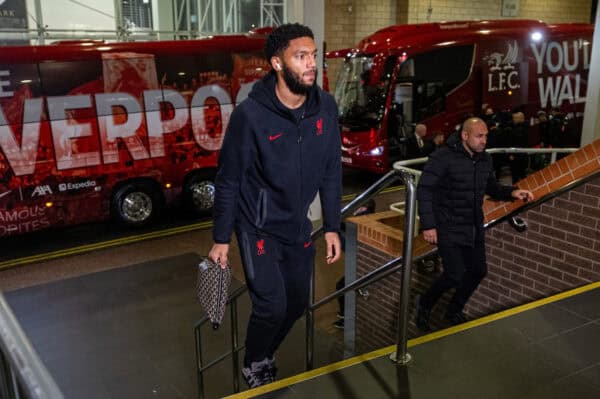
(434, 83)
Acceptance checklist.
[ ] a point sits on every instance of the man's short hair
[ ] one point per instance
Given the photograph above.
(280, 38)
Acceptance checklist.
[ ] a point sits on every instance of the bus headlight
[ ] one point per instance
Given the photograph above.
(377, 151)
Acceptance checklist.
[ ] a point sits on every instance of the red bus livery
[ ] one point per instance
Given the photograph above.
(90, 129)
(437, 74)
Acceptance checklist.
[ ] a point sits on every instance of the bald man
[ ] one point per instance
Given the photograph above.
(450, 194)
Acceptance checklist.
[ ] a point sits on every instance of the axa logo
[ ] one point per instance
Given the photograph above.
(319, 125)
(260, 247)
(41, 190)
(307, 244)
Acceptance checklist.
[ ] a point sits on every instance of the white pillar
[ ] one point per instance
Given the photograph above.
(314, 17)
(591, 115)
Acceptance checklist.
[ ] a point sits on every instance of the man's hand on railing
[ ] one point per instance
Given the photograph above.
(334, 247)
(430, 236)
(524, 195)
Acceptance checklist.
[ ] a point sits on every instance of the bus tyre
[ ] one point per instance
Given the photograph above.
(199, 194)
(136, 204)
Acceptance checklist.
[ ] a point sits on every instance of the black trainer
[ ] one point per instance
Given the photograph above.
(272, 367)
(339, 323)
(423, 312)
(455, 318)
(258, 374)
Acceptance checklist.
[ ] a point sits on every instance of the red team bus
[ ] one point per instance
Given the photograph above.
(440, 73)
(93, 129)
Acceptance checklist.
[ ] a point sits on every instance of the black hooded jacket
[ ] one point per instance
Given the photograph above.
(272, 165)
(451, 191)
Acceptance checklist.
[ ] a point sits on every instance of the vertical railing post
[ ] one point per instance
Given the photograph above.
(310, 325)
(234, 346)
(401, 356)
(199, 365)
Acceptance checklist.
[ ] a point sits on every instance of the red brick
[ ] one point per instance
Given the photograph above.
(591, 212)
(572, 162)
(551, 252)
(554, 211)
(498, 288)
(586, 169)
(489, 293)
(566, 226)
(589, 275)
(587, 253)
(563, 165)
(580, 157)
(594, 234)
(578, 261)
(501, 235)
(579, 240)
(596, 146)
(560, 284)
(589, 151)
(541, 191)
(573, 280)
(560, 182)
(526, 262)
(536, 276)
(549, 271)
(539, 217)
(516, 269)
(564, 246)
(564, 266)
(567, 205)
(582, 220)
(512, 285)
(592, 189)
(547, 174)
(584, 199)
(551, 232)
(499, 271)
(544, 288)
(524, 243)
(515, 249)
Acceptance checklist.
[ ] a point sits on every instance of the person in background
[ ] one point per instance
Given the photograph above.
(282, 147)
(450, 196)
(417, 145)
(519, 138)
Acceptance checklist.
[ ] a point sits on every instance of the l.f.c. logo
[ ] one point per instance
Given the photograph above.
(260, 247)
(319, 126)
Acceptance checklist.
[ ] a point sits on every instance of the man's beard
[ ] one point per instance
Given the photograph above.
(294, 82)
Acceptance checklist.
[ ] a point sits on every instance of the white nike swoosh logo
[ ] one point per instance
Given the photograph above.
(4, 194)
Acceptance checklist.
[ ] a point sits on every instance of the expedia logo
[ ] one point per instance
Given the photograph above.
(76, 186)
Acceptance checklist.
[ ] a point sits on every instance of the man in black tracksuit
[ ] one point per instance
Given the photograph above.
(281, 148)
(450, 194)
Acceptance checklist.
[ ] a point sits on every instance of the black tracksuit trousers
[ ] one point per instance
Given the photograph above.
(278, 278)
(464, 268)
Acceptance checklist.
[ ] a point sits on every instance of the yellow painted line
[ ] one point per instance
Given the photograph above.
(104, 244)
(411, 343)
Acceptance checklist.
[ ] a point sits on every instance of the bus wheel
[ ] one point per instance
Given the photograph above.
(136, 204)
(199, 194)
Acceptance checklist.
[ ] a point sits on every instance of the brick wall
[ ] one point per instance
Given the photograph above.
(560, 250)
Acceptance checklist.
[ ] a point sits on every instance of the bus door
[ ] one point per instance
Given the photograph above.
(430, 89)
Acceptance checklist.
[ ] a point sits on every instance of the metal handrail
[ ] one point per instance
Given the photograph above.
(31, 375)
